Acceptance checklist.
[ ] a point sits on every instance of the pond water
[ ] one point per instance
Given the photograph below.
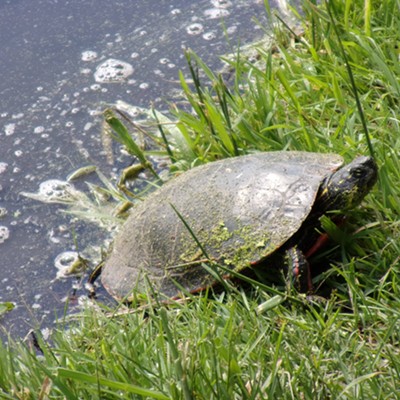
(61, 63)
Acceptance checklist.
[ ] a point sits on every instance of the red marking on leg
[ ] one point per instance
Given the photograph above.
(319, 243)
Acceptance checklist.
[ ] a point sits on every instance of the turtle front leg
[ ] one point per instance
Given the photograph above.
(298, 270)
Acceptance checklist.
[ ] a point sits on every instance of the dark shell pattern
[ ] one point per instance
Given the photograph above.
(239, 209)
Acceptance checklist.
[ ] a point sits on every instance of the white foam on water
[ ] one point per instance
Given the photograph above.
(67, 264)
(113, 71)
(18, 116)
(55, 191)
(3, 167)
(39, 129)
(4, 234)
(53, 187)
(194, 29)
(88, 55)
(9, 129)
(95, 87)
(213, 13)
(209, 36)
(86, 71)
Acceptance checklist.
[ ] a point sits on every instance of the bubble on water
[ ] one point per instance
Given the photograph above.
(194, 29)
(176, 11)
(54, 191)
(3, 212)
(113, 70)
(3, 167)
(65, 259)
(18, 116)
(18, 153)
(86, 71)
(144, 85)
(164, 60)
(88, 55)
(221, 3)
(87, 126)
(95, 87)
(213, 13)
(209, 36)
(9, 129)
(39, 129)
(4, 234)
(44, 98)
(95, 113)
(68, 263)
(134, 55)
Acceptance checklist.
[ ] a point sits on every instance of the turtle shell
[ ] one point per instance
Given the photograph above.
(239, 209)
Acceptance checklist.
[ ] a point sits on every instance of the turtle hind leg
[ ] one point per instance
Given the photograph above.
(298, 270)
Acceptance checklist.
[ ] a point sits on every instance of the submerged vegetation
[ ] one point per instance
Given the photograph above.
(333, 85)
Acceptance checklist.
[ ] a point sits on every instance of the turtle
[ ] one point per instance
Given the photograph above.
(260, 210)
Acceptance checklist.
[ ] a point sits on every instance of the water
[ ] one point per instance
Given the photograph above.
(61, 63)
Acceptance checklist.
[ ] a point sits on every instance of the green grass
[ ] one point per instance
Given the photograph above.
(333, 88)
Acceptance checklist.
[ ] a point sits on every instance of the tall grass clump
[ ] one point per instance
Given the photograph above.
(329, 85)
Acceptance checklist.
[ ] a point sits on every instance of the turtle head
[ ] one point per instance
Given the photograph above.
(346, 187)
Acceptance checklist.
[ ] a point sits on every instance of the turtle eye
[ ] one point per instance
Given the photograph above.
(363, 168)
(356, 172)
